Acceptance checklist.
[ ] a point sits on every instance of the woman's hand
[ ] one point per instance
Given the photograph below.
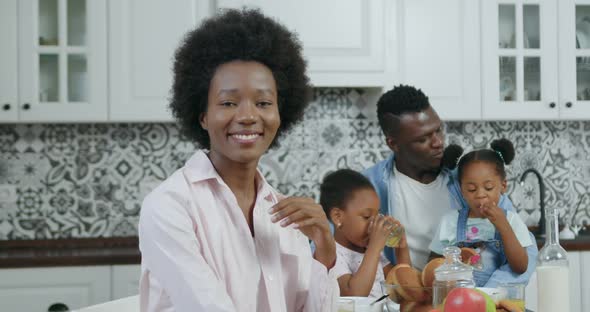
(308, 217)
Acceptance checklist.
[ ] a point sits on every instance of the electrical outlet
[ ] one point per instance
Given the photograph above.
(7, 193)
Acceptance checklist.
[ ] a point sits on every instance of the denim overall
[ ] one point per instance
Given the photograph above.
(491, 251)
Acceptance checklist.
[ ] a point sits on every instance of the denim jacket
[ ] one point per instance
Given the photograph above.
(383, 179)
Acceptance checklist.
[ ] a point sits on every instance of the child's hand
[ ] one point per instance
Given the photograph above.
(379, 229)
(493, 213)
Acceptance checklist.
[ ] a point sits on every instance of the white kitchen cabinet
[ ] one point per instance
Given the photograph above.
(125, 280)
(585, 279)
(536, 59)
(439, 53)
(8, 64)
(143, 35)
(56, 69)
(36, 289)
(575, 261)
(346, 43)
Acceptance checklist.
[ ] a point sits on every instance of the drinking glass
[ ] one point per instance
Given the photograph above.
(514, 293)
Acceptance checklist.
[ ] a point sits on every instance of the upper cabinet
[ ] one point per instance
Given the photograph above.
(574, 59)
(8, 64)
(346, 43)
(439, 53)
(535, 57)
(54, 53)
(143, 35)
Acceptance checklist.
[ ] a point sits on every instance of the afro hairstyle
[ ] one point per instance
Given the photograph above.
(245, 35)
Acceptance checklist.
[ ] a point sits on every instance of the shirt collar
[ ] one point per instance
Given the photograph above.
(199, 168)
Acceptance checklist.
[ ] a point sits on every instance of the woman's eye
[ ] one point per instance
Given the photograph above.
(489, 188)
(227, 103)
(264, 103)
(366, 217)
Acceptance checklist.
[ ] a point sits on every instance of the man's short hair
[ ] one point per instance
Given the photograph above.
(400, 100)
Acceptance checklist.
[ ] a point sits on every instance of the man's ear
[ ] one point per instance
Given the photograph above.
(392, 144)
(203, 120)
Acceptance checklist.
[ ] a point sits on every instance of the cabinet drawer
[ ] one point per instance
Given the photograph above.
(36, 289)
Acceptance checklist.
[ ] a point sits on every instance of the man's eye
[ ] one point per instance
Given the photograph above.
(264, 103)
(227, 103)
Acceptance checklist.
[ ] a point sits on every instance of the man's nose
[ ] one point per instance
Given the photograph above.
(437, 140)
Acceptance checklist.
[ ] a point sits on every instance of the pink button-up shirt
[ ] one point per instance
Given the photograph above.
(198, 253)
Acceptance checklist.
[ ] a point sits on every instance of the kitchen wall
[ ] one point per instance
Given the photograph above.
(88, 180)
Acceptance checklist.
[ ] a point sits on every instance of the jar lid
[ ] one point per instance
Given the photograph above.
(453, 269)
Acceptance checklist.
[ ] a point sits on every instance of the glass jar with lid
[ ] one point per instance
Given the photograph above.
(451, 274)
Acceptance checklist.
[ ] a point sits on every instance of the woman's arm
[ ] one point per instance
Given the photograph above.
(319, 289)
(169, 250)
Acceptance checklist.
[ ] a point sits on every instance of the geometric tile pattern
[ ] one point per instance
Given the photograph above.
(88, 180)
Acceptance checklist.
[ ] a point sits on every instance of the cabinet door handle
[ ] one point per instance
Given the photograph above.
(58, 307)
(6, 106)
(568, 104)
(552, 104)
(26, 106)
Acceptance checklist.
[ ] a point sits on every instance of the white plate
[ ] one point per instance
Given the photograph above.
(361, 304)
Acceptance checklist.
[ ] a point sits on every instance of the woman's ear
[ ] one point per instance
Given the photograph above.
(203, 120)
(336, 215)
(504, 186)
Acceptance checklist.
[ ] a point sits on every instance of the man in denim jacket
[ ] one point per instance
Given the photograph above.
(410, 183)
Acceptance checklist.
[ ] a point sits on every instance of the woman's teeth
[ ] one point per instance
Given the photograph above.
(245, 136)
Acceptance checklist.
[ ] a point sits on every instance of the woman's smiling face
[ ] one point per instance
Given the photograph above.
(242, 116)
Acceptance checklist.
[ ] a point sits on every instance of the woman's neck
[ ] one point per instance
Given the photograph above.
(241, 180)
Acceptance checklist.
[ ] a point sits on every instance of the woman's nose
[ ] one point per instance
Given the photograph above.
(246, 112)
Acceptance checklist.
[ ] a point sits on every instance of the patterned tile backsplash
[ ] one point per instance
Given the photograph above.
(88, 180)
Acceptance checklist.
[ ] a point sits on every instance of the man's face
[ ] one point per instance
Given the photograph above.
(419, 140)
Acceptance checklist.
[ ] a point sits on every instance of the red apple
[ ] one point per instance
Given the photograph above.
(465, 300)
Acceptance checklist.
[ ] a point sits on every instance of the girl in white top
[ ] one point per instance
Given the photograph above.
(360, 232)
(215, 236)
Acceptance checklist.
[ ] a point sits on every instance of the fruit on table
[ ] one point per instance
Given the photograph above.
(466, 254)
(467, 300)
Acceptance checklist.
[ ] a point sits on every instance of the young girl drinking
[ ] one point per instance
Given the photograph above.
(351, 203)
(499, 236)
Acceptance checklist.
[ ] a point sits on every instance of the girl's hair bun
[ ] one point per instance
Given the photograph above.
(505, 149)
(451, 156)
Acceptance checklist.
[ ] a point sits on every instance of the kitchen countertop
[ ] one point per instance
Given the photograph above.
(118, 250)
(69, 252)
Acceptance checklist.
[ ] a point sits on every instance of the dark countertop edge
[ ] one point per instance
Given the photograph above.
(117, 250)
(69, 252)
(579, 244)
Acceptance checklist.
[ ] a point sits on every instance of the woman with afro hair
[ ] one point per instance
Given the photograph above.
(215, 236)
